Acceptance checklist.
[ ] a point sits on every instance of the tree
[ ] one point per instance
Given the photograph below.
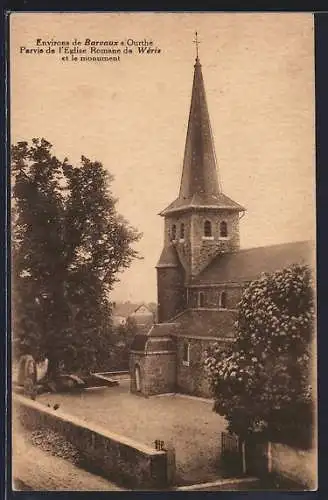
(124, 337)
(262, 382)
(68, 244)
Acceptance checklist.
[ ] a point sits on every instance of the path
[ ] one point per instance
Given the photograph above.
(38, 470)
(189, 424)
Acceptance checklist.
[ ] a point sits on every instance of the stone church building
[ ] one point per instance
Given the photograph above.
(201, 271)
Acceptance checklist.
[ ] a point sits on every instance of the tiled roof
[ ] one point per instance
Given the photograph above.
(127, 309)
(168, 258)
(158, 338)
(163, 329)
(203, 200)
(206, 323)
(248, 264)
(162, 344)
(124, 309)
(200, 186)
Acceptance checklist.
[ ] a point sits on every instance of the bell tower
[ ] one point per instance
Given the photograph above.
(202, 221)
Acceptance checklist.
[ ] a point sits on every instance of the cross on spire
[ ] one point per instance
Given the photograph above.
(197, 42)
(200, 186)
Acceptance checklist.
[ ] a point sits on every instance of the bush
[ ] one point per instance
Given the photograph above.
(262, 382)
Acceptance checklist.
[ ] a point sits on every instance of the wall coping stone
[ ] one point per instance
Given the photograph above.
(91, 427)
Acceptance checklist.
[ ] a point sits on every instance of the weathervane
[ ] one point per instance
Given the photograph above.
(197, 42)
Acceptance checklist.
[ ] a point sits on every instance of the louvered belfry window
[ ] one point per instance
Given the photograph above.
(182, 231)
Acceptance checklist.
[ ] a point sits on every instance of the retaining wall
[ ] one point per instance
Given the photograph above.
(294, 464)
(121, 459)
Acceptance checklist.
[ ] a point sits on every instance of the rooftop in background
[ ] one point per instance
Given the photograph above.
(126, 309)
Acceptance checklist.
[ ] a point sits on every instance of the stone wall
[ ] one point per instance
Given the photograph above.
(212, 296)
(178, 219)
(195, 251)
(192, 378)
(170, 292)
(294, 464)
(157, 372)
(118, 458)
(137, 359)
(204, 249)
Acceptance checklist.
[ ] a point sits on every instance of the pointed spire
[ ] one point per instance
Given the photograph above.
(199, 175)
(200, 184)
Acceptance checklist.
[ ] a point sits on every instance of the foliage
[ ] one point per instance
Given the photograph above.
(68, 244)
(262, 382)
(123, 339)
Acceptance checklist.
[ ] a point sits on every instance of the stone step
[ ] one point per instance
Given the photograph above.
(229, 484)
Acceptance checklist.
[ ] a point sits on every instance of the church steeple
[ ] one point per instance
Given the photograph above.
(202, 222)
(200, 184)
(199, 174)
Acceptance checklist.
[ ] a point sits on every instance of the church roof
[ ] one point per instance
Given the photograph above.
(200, 186)
(248, 264)
(158, 338)
(206, 323)
(168, 258)
(214, 201)
(162, 329)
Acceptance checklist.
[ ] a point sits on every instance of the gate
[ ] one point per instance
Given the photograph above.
(231, 453)
(256, 454)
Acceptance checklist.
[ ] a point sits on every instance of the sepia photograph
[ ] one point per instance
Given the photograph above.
(163, 243)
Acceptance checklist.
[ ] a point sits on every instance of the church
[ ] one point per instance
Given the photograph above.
(201, 271)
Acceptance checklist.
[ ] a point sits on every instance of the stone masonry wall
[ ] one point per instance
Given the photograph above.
(212, 296)
(160, 373)
(157, 371)
(192, 379)
(204, 249)
(183, 246)
(294, 464)
(137, 359)
(170, 292)
(195, 251)
(118, 458)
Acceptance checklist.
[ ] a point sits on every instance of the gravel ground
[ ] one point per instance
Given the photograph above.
(50, 441)
(189, 425)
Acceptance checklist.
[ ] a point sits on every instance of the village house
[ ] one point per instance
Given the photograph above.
(201, 271)
(142, 314)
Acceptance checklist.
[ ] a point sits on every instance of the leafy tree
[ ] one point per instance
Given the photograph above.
(262, 382)
(68, 244)
(123, 340)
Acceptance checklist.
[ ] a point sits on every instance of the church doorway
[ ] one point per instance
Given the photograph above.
(137, 378)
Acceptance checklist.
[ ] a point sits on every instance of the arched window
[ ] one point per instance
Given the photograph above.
(223, 300)
(201, 299)
(174, 232)
(137, 375)
(223, 229)
(186, 354)
(207, 228)
(182, 231)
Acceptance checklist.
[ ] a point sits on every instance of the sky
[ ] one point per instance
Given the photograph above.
(132, 115)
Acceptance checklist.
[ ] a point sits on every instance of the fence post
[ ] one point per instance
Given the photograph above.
(243, 456)
(269, 457)
(171, 464)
